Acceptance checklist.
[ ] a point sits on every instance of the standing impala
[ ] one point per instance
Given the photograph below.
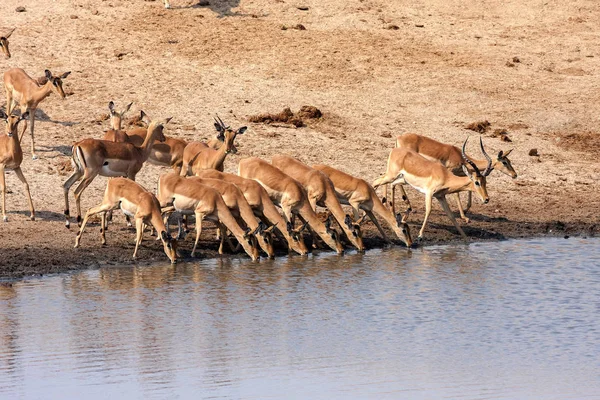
(290, 196)
(241, 210)
(189, 197)
(433, 179)
(360, 195)
(263, 207)
(198, 156)
(25, 92)
(11, 157)
(116, 118)
(320, 191)
(93, 157)
(450, 157)
(136, 202)
(4, 43)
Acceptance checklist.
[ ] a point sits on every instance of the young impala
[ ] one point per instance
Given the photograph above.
(138, 203)
(25, 92)
(434, 180)
(360, 195)
(198, 156)
(263, 207)
(92, 157)
(320, 191)
(4, 43)
(290, 196)
(11, 157)
(189, 197)
(450, 157)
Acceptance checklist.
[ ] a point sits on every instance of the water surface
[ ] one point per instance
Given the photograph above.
(505, 320)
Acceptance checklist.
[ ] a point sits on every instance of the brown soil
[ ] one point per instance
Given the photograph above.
(374, 68)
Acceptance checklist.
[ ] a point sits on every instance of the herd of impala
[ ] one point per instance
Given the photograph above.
(244, 204)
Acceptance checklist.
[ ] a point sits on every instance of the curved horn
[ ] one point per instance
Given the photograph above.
(489, 168)
(468, 160)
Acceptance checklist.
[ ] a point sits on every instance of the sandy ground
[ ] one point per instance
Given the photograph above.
(374, 68)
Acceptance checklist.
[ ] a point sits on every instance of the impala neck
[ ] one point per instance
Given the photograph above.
(455, 183)
(220, 159)
(333, 205)
(387, 215)
(149, 141)
(40, 93)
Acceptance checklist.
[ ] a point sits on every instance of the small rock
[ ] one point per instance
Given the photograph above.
(534, 153)
(303, 8)
(20, 9)
(300, 27)
(74, 17)
(95, 12)
(516, 60)
(504, 137)
(509, 64)
(420, 25)
(204, 3)
(386, 135)
(392, 27)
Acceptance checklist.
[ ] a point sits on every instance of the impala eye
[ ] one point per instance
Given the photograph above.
(477, 184)
(505, 163)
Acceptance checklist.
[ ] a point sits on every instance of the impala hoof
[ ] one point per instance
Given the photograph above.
(32, 217)
(5, 218)
(34, 157)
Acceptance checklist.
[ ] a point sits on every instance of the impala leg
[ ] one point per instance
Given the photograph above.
(3, 188)
(78, 191)
(31, 124)
(469, 201)
(9, 101)
(406, 201)
(103, 229)
(139, 232)
(92, 211)
(428, 201)
(75, 176)
(460, 209)
(199, 218)
(446, 208)
(21, 177)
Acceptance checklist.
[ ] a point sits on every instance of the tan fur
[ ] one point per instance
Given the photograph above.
(25, 92)
(11, 156)
(430, 178)
(239, 207)
(289, 195)
(360, 195)
(321, 192)
(261, 204)
(134, 200)
(92, 157)
(191, 197)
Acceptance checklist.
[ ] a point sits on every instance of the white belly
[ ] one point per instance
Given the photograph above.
(128, 208)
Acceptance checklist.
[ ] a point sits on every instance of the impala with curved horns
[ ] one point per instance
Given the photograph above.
(434, 180)
(24, 91)
(450, 157)
(4, 43)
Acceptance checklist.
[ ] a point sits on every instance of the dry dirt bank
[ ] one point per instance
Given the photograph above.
(375, 69)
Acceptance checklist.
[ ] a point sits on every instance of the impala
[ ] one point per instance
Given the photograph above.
(11, 156)
(25, 92)
(241, 210)
(263, 207)
(189, 197)
(198, 156)
(290, 196)
(138, 203)
(93, 157)
(360, 195)
(450, 157)
(4, 43)
(434, 180)
(320, 191)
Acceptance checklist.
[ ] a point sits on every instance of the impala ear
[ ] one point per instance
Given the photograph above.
(63, 76)
(127, 108)
(218, 127)
(247, 232)
(9, 33)
(500, 154)
(24, 115)
(241, 130)
(507, 153)
(144, 117)
(260, 228)
(48, 74)
(348, 221)
(164, 236)
(303, 227)
(3, 114)
(270, 229)
(168, 119)
(111, 106)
